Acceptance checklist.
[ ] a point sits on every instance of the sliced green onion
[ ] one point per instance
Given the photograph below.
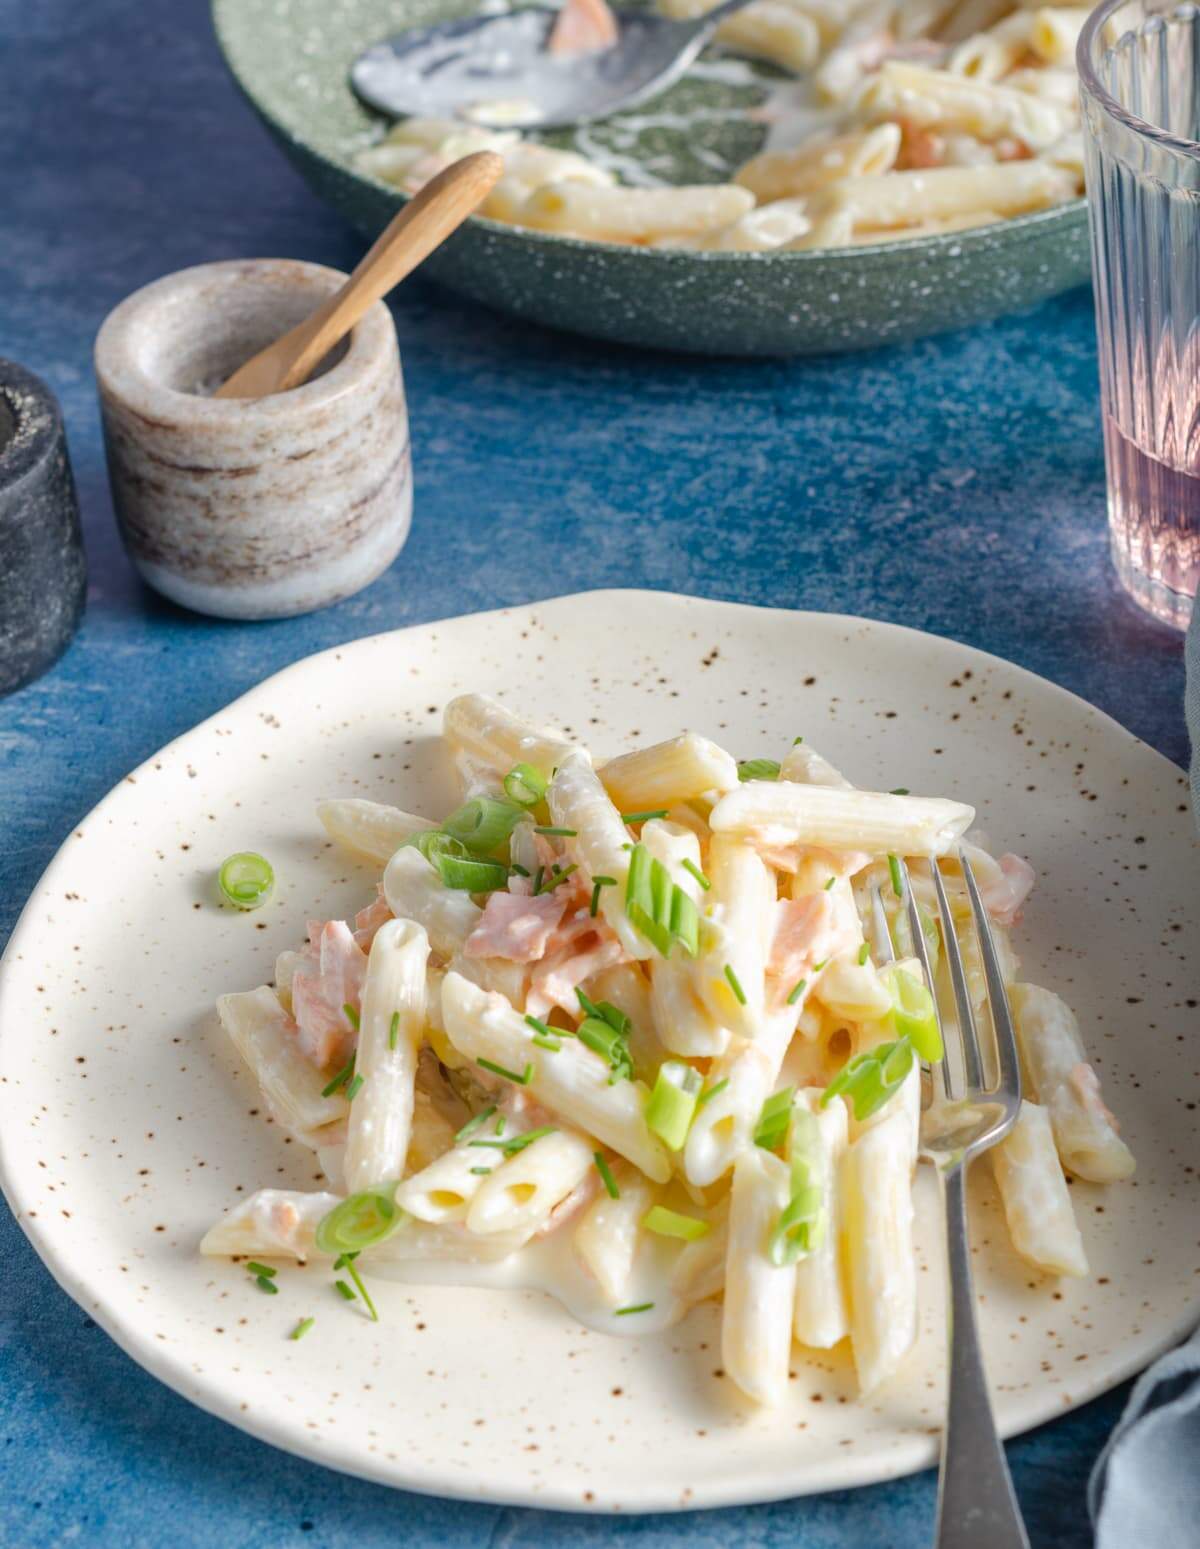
(799, 1227)
(796, 991)
(340, 1079)
(346, 1261)
(758, 769)
(355, 1088)
(555, 878)
(556, 833)
(246, 879)
(484, 823)
(669, 1223)
(914, 1014)
(870, 1079)
(657, 907)
(606, 1177)
(525, 785)
(710, 1092)
(394, 1030)
(343, 1290)
(498, 1070)
(693, 870)
(302, 1328)
(624, 1312)
(774, 1119)
(264, 1284)
(897, 878)
(253, 1267)
(643, 817)
(673, 1102)
(456, 866)
(735, 984)
(351, 1015)
(603, 1038)
(358, 1222)
(864, 953)
(477, 1122)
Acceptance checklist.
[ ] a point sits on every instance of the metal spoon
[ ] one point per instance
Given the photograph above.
(495, 70)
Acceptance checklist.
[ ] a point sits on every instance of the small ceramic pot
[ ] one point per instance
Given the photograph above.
(42, 574)
(252, 508)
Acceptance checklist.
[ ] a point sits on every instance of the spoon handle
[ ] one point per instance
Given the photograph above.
(422, 225)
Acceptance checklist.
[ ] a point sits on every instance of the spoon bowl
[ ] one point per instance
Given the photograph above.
(496, 70)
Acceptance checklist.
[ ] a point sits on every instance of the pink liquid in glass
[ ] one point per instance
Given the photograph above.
(1154, 518)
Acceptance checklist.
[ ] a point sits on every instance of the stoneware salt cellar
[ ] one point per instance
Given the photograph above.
(42, 573)
(252, 508)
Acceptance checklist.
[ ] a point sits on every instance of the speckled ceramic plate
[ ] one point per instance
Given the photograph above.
(127, 1123)
(291, 58)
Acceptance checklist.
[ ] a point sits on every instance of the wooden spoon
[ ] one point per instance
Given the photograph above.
(423, 224)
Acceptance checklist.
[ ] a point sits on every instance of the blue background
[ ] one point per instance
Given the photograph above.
(955, 485)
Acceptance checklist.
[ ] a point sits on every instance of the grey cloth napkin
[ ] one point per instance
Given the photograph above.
(1145, 1488)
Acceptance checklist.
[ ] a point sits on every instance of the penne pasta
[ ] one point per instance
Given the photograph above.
(668, 772)
(1037, 1203)
(756, 1328)
(779, 813)
(264, 1035)
(607, 1237)
(369, 828)
(877, 1230)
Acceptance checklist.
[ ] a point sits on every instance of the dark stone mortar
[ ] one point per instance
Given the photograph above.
(42, 572)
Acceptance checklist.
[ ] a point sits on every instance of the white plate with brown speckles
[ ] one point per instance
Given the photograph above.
(126, 1122)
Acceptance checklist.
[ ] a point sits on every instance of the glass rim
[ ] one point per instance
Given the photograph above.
(1095, 88)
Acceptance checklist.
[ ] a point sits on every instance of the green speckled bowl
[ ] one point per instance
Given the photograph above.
(291, 58)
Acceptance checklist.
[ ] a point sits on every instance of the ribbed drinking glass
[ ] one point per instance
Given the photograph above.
(1139, 68)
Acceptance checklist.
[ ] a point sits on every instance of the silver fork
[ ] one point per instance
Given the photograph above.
(977, 1508)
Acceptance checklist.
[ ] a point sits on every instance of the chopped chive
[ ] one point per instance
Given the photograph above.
(265, 1284)
(481, 1172)
(348, 1265)
(623, 1312)
(351, 1015)
(897, 878)
(540, 1027)
(709, 1092)
(477, 1122)
(817, 967)
(501, 1122)
(606, 1177)
(735, 984)
(518, 1142)
(558, 876)
(394, 1030)
(830, 883)
(547, 1043)
(344, 1290)
(797, 991)
(694, 870)
(537, 880)
(900, 790)
(355, 1088)
(555, 833)
(498, 1070)
(253, 1267)
(864, 953)
(796, 741)
(518, 870)
(597, 884)
(643, 817)
(340, 1079)
(302, 1328)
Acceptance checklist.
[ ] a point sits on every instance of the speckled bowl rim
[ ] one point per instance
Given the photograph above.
(211, 1397)
(34, 438)
(898, 252)
(121, 377)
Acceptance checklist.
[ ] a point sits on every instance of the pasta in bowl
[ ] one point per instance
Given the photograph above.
(616, 1030)
(911, 120)
(735, 267)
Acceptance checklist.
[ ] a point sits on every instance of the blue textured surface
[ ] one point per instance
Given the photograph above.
(956, 485)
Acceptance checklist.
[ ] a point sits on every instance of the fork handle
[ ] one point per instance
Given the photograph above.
(977, 1508)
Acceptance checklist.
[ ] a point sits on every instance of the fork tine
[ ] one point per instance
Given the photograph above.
(917, 931)
(884, 950)
(967, 1030)
(1009, 1067)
